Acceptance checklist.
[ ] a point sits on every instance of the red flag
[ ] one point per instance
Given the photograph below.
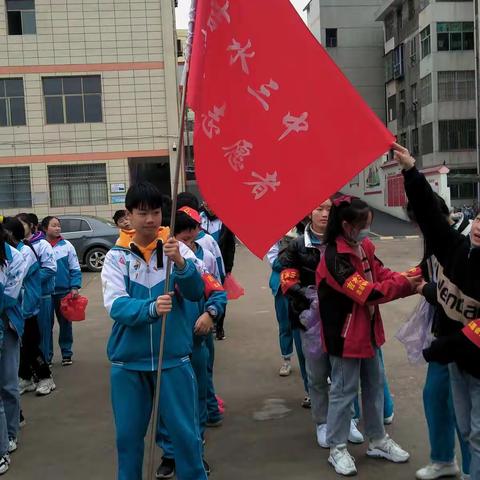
(278, 128)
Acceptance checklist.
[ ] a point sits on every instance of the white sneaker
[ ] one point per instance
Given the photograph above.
(437, 470)
(45, 387)
(342, 461)
(389, 420)
(4, 463)
(388, 449)
(26, 386)
(285, 369)
(12, 445)
(355, 436)
(322, 435)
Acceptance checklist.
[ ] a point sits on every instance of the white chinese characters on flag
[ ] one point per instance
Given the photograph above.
(278, 127)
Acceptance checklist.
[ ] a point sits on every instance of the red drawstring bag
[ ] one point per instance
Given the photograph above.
(232, 287)
(73, 308)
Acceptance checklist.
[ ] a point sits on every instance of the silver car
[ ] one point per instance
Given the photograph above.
(92, 238)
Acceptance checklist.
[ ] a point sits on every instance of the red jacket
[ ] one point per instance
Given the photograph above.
(349, 328)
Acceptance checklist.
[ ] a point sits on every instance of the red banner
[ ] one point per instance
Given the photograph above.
(278, 127)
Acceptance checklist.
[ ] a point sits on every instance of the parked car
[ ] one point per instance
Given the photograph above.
(92, 238)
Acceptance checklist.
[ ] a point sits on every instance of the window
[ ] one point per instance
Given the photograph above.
(414, 96)
(74, 225)
(403, 108)
(399, 20)
(389, 26)
(21, 17)
(402, 139)
(427, 138)
(15, 190)
(389, 66)
(462, 188)
(398, 68)
(425, 41)
(414, 144)
(179, 48)
(456, 85)
(413, 51)
(411, 9)
(457, 135)
(453, 36)
(426, 90)
(331, 37)
(73, 99)
(392, 108)
(12, 102)
(76, 185)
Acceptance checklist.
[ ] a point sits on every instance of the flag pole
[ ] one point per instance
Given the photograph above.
(179, 161)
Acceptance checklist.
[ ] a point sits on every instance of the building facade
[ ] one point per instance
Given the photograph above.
(430, 86)
(88, 102)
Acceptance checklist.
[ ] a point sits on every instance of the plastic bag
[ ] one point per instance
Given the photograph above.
(73, 308)
(310, 319)
(232, 287)
(416, 332)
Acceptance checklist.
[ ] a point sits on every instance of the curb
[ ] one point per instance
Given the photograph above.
(398, 237)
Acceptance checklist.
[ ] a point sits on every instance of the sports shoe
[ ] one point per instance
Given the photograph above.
(388, 449)
(214, 423)
(67, 361)
(45, 387)
(307, 403)
(355, 436)
(166, 468)
(436, 470)
(23, 422)
(220, 334)
(12, 445)
(388, 420)
(207, 468)
(26, 386)
(322, 435)
(342, 461)
(4, 463)
(285, 369)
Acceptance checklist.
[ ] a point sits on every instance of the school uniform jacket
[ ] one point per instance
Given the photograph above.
(69, 275)
(48, 265)
(31, 292)
(351, 320)
(207, 242)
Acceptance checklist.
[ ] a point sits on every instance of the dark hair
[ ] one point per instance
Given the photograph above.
(26, 218)
(353, 212)
(119, 214)
(143, 195)
(166, 210)
(15, 228)
(33, 219)
(3, 250)
(46, 222)
(188, 199)
(184, 222)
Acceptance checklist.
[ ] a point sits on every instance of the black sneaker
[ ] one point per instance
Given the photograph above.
(220, 334)
(67, 361)
(166, 468)
(206, 466)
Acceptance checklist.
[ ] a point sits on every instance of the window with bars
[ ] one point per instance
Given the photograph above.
(457, 135)
(15, 188)
(413, 51)
(415, 143)
(331, 37)
(389, 66)
(426, 90)
(453, 36)
(403, 108)
(427, 138)
(73, 99)
(77, 185)
(456, 85)
(392, 108)
(12, 102)
(425, 42)
(21, 17)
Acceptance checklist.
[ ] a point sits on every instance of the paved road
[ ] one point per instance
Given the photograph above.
(387, 225)
(69, 435)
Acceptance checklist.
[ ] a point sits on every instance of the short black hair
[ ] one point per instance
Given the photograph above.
(46, 222)
(188, 199)
(118, 215)
(15, 228)
(33, 219)
(184, 222)
(143, 195)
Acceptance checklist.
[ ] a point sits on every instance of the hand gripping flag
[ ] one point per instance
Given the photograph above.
(278, 127)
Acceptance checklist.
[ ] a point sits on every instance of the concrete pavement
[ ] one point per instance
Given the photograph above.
(266, 434)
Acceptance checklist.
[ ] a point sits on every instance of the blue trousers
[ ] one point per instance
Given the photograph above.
(285, 333)
(132, 400)
(9, 392)
(213, 412)
(199, 365)
(44, 320)
(65, 337)
(440, 415)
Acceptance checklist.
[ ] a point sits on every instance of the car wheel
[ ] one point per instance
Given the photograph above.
(95, 258)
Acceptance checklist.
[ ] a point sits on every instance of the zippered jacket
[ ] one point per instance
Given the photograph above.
(31, 292)
(48, 265)
(69, 274)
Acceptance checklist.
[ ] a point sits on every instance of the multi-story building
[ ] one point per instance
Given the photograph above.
(430, 86)
(88, 102)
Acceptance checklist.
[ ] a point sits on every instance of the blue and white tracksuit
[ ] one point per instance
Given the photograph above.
(207, 242)
(32, 282)
(130, 288)
(11, 326)
(213, 227)
(68, 277)
(201, 364)
(48, 269)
